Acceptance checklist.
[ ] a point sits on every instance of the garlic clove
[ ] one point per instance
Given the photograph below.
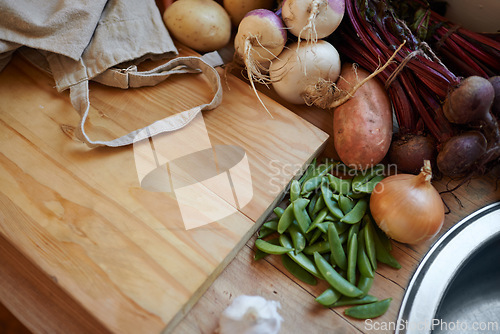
(251, 315)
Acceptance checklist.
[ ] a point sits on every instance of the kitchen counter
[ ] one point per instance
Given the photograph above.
(39, 297)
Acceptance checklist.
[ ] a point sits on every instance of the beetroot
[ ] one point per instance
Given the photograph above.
(460, 153)
(409, 152)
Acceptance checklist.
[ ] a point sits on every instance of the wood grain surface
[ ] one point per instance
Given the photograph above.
(83, 247)
(81, 240)
(301, 313)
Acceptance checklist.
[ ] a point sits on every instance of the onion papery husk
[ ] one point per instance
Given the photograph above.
(407, 207)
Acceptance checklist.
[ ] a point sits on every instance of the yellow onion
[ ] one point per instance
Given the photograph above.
(407, 207)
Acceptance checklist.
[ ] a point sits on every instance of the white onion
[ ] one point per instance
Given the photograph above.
(302, 65)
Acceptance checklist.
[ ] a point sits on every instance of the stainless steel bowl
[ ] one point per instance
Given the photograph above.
(456, 287)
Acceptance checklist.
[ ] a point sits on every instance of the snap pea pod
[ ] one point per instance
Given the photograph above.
(278, 211)
(311, 184)
(318, 220)
(309, 172)
(346, 204)
(301, 215)
(300, 258)
(368, 299)
(328, 297)
(264, 232)
(323, 227)
(286, 219)
(312, 203)
(334, 278)
(362, 178)
(353, 230)
(298, 239)
(324, 168)
(260, 254)
(320, 247)
(370, 243)
(367, 188)
(384, 239)
(329, 202)
(294, 190)
(383, 254)
(369, 311)
(314, 236)
(342, 227)
(269, 248)
(352, 258)
(340, 186)
(272, 224)
(357, 212)
(297, 270)
(364, 265)
(319, 205)
(336, 248)
(364, 284)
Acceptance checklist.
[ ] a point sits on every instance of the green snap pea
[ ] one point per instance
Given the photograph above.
(363, 177)
(298, 239)
(352, 257)
(364, 265)
(370, 244)
(354, 229)
(342, 227)
(336, 248)
(300, 258)
(340, 186)
(278, 211)
(332, 205)
(368, 299)
(334, 278)
(320, 247)
(294, 190)
(260, 254)
(311, 184)
(272, 224)
(323, 227)
(382, 237)
(328, 297)
(324, 168)
(315, 236)
(364, 284)
(286, 219)
(346, 204)
(367, 188)
(309, 172)
(264, 232)
(318, 219)
(357, 212)
(369, 311)
(269, 248)
(319, 205)
(312, 203)
(383, 254)
(301, 215)
(297, 270)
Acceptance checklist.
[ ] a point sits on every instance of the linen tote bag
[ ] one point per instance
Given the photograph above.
(101, 40)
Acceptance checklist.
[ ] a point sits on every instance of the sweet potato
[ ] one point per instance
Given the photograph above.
(362, 127)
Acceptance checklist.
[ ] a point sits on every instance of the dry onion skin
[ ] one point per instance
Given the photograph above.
(407, 207)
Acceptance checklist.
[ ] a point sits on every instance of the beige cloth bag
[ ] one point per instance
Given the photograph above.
(81, 40)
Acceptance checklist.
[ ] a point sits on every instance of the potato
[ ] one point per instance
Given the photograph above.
(362, 127)
(237, 9)
(202, 25)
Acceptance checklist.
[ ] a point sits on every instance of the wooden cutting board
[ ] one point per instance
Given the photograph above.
(83, 247)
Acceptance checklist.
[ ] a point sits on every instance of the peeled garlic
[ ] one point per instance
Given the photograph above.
(251, 315)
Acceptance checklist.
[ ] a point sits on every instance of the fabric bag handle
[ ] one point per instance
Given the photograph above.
(131, 78)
